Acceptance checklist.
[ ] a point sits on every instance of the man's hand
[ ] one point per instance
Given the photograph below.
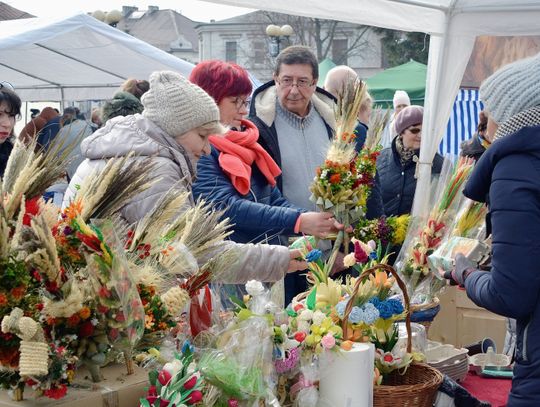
(320, 224)
(294, 263)
(463, 267)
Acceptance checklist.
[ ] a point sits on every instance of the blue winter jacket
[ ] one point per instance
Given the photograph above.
(261, 215)
(397, 181)
(509, 174)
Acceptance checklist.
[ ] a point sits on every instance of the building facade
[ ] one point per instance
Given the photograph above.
(243, 40)
(167, 30)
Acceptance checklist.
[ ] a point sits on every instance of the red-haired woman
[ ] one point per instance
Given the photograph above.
(239, 176)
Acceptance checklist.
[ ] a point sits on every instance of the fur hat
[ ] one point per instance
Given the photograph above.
(409, 116)
(177, 105)
(122, 104)
(401, 98)
(512, 89)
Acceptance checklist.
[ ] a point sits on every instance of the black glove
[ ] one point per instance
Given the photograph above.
(463, 267)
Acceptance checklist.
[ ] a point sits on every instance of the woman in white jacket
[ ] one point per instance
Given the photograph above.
(173, 131)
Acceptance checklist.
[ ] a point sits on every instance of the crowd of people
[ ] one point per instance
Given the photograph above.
(253, 154)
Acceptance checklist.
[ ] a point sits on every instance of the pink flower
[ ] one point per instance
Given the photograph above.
(328, 341)
(359, 253)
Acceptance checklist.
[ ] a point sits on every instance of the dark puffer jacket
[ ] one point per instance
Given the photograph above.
(261, 215)
(5, 151)
(509, 174)
(397, 181)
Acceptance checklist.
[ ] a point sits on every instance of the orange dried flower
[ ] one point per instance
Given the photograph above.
(84, 313)
(18, 292)
(335, 178)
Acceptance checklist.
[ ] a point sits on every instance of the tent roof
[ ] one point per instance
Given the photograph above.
(410, 77)
(453, 26)
(324, 66)
(76, 58)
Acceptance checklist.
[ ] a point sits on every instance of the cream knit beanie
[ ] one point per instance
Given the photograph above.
(512, 89)
(177, 105)
(401, 98)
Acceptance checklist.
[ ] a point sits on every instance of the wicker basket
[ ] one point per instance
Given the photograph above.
(423, 309)
(418, 386)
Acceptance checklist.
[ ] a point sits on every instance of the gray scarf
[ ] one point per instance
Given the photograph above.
(527, 118)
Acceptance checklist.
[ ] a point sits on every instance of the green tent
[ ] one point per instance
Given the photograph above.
(410, 77)
(324, 66)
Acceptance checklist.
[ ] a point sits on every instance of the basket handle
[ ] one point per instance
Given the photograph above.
(350, 303)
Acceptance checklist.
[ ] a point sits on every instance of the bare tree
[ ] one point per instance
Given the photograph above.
(319, 34)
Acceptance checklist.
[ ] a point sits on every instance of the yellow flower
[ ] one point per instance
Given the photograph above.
(400, 232)
(148, 321)
(328, 293)
(349, 260)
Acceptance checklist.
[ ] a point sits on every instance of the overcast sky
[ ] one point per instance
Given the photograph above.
(193, 9)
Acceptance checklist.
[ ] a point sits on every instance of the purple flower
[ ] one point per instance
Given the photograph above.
(68, 231)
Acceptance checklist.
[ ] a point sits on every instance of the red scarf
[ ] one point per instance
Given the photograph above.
(238, 151)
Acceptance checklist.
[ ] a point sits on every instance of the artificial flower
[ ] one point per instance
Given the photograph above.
(328, 293)
(173, 367)
(313, 255)
(349, 260)
(328, 341)
(254, 288)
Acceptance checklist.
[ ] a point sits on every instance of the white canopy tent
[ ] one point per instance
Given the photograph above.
(75, 58)
(453, 26)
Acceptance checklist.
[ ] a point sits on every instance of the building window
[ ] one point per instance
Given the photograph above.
(230, 51)
(339, 51)
(259, 52)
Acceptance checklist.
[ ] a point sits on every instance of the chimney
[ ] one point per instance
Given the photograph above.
(151, 9)
(127, 10)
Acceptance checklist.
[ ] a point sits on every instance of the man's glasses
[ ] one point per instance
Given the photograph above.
(415, 130)
(239, 103)
(300, 83)
(6, 85)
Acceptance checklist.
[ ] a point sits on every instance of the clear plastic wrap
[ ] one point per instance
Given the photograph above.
(305, 391)
(425, 235)
(241, 364)
(121, 310)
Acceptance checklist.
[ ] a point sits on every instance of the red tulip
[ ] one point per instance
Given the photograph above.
(194, 397)
(190, 383)
(164, 377)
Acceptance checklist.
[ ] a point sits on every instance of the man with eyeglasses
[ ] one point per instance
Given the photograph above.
(296, 121)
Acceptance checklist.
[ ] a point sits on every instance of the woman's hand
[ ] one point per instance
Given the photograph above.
(463, 267)
(294, 263)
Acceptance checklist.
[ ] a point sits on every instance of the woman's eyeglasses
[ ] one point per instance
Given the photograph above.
(239, 103)
(414, 130)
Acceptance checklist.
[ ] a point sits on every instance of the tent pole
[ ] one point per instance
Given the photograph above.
(62, 101)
